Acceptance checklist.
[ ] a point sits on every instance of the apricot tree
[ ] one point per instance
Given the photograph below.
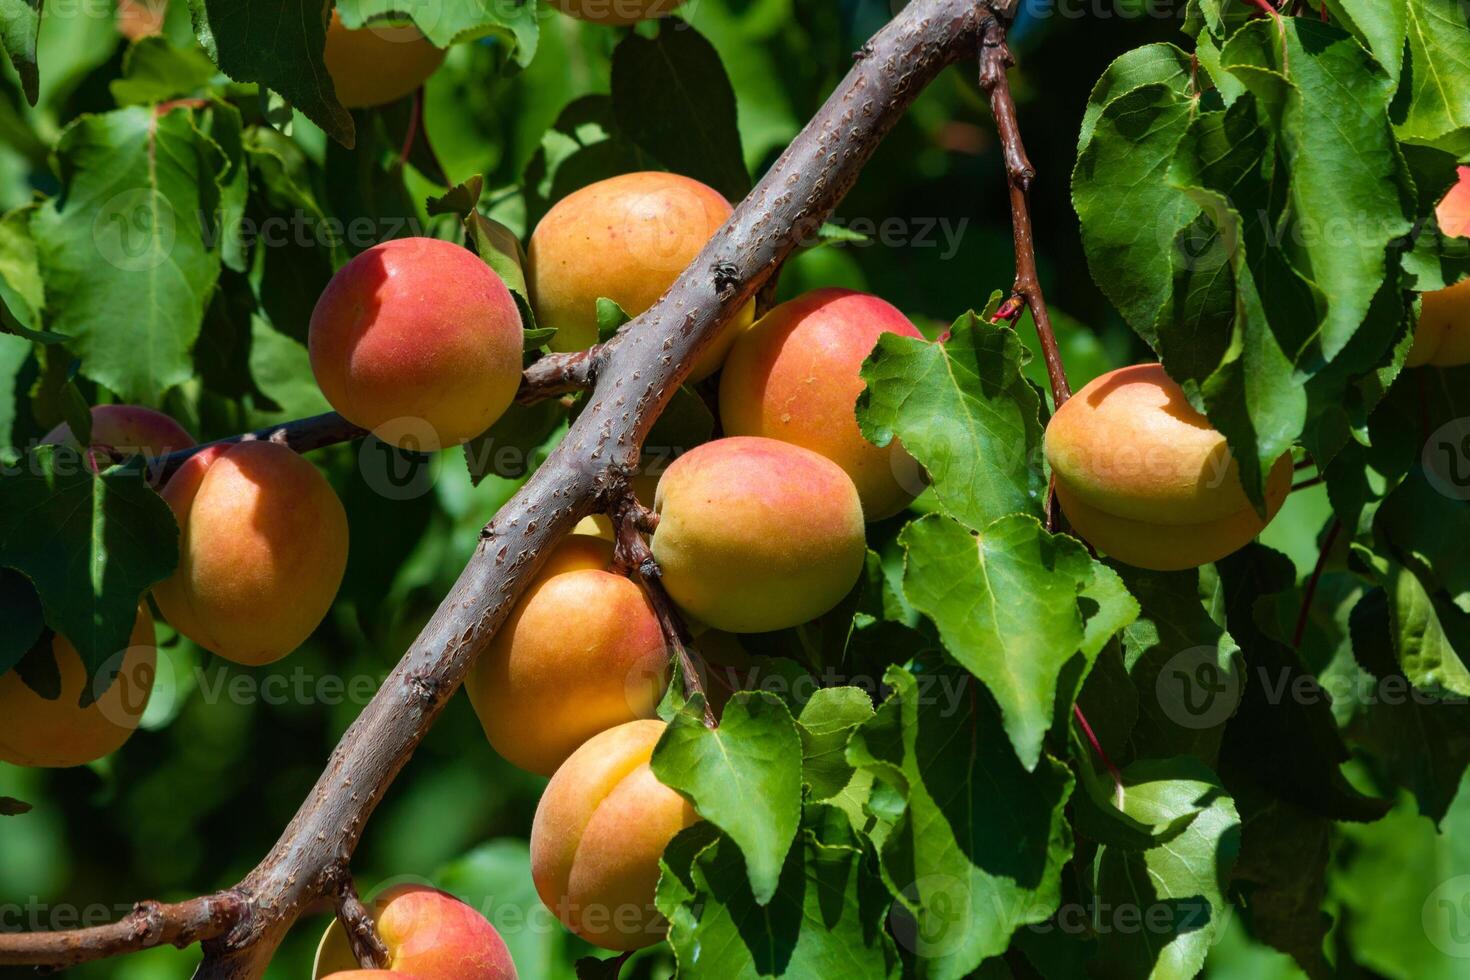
(850, 642)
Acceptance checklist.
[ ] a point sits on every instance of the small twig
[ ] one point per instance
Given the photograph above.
(301, 435)
(632, 557)
(1113, 770)
(1309, 592)
(148, 925)
(558, 374)
(413, 126)
(1310, 481)
(362, 931)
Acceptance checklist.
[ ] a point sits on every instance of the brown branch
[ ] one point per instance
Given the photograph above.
(149, 924)
(557, 374)
(362, 932)
(638, 371)
(995, 60)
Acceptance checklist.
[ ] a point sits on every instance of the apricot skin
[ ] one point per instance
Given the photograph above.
(430, 935)
(262, 550)
(582, 652)
(128, 429)
(757, 534)
(626, 239)
(1144, 477)
(373, 66)
(795, 376)
(616, 13)
(600, 829)
(418, 340)
(1442, 335)
(60, 733)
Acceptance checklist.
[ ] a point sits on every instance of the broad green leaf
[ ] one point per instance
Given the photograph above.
(139, 195)
(1427, 529)
(1096, 812)
(513, 22)
(755, 755)
(967, 583)
(1379, 27)
(610, 318)
(977, 843)
(20, 21)
(825, 919)
(825, 724)
(281, 368)
(279, 44)
(962, 409)
(22, 290)
(90, 544)
(1151, 64)
(508, 448)
(1129, 212)
(1282, 872)
(671, 97)
(1438, 74)
(14, 353)
(1328, 101)
(154, 70)
(1176, 890)
(20, 611)
(1186, 668)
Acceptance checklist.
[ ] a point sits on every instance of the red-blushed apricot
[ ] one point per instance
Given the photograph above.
(582, 652)
(262, 550)
(137, 19)
(757, 534)
(616, 13)
(418, 340)
(600, 829)
(795, 376)
(430, 935)
(56, 733)
(128, 429)
(1442, 335)
(375, 65)
(1145, 478)
(626, 239)
(369, 975)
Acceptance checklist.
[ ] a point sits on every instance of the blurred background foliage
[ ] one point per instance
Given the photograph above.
(228, 753)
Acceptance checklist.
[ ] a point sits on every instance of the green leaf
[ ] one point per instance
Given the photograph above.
(1151, 64)
(508, 448)
(671, 97)
(1281, 873)
(610, 318)
(967, 583)
(155, 71)
(90, 544)
(77, 414)
(281, 368)
(279, 44)
(755, 754)
(22, 290)
(1176, 889)
(1379, 27)
(1328, 100)
(963, 409)
(11, 807)
(825, 918)
(20, 22)
(825, 723)
(20, 611)
(512, 21)
(977, 843)
(138, 193)
(1438, 75)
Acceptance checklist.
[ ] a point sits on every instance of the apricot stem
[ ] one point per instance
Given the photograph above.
(362, 932)
(1310, 590)
(1102, 755)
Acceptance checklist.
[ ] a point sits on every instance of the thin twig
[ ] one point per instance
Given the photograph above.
(1092, 739)
(1309, 592)
(362, 932)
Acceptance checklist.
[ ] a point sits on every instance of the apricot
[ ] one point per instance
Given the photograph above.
(626, 239)
(137, 19)
(430, 935)
(262, 550)
(581, 652)
(796, 376)
(59, 733)
(1143, 477)
(1442, 335)
(418, 340)
(375, 65)
(616, 13)
(127, 430)
(756, 534)
(599, 831)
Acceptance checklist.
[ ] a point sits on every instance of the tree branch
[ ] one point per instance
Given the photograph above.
(638, 371)
(149, 924)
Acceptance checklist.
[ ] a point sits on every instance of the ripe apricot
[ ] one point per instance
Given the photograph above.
(1145, 478)
(756, 534)
(616, 13)
(127, 430)
(262, 550)
(1442, 335)
(600, 829)
(430, 935)
(56, 733)
(375, 65)
(581, 652)
(626, 239)
(418, 340)
(795, 376)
